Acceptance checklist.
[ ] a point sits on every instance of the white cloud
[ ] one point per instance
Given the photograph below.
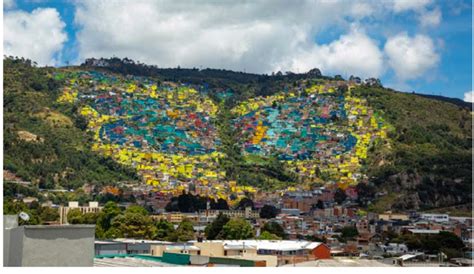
(362, 9)
(38, 35)
(256, 36)
(8, 4)
(352, 53)
(406, 5)
(430, 18)
(469, 96)
(411, 57)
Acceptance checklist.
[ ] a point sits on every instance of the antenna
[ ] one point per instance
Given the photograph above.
(24, 216)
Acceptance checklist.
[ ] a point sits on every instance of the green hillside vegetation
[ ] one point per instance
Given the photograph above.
(431, 150)
(60, 156)
(266, 173)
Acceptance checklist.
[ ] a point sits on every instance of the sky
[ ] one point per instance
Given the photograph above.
(411, 45)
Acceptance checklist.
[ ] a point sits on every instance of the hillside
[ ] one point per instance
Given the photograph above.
(430, 162)
(44, 142)
(226, 133)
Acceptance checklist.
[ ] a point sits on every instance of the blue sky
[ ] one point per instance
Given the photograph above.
(423, 46)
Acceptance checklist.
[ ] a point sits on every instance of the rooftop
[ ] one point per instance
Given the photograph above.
(281, 245)
(424, 231)
(128, 262)
(341, 262)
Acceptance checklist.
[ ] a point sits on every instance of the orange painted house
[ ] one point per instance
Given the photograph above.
(322, 251)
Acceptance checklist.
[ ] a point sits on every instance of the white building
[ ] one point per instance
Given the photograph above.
(438, 218)
(64, 210)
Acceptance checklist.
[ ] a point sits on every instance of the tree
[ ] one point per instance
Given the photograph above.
(75, 216)
(274, 228)
(164, 230)
(449, 240)
(365, 193)
(268, 212)
(137, 209)
(349, 232)
(319, 205)
(186, 203)
(268, 236)
(184, 232)
(221, 204)
(11, 207)
(340, 196)
(49, 214)
(245, 202)
(112, 233)
(110, 211)
(134, 225)
(237, 229)
(213, 229)
(90, 218)
(314, 238)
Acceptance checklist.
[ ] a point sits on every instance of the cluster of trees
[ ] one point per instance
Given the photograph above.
(268, 212)
(187, 202)
(347, 233)
(237, 229)
(446, 242)
(133, 222)
(246, 84)
(38, 214)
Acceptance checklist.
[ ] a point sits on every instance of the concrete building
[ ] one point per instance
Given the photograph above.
(158, 250)
(103, 248)
(176, 217)
(388, 216)
(126, 246)
(64, 210)
(274, 252)
(41, 245)
(206, 216)
(439, 218)
(248, 213)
